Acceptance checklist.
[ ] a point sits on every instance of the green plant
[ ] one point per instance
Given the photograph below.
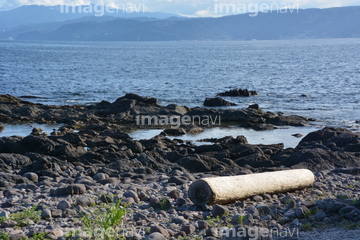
(38, 236)
(241, 219)
(350, 225)
(4, 236)
(311, 212)
(307, 226)
(163, 204)
(72, 233)
(104, 220)
(341, 197)
(22, 218)
(213, 221)
(3, 219)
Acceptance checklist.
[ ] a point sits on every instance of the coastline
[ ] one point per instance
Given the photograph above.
(92, 153)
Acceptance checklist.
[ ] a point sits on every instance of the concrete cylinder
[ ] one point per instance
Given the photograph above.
(222, 190)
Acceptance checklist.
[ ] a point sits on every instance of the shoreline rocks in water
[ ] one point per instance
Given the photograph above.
(73, 172)
(238, 93)
(217, 102)
(128, 109)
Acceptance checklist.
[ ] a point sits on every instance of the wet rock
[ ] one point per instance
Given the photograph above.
(37, 132)
(217, 102)
(238, 93)
(1, 127)
(175, 131)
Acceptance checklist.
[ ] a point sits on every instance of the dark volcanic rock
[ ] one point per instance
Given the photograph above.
(175, 131)
(217, 102)
(1, 127)
(238, 93)
(10, 162)
(197, 163)
(324, 149)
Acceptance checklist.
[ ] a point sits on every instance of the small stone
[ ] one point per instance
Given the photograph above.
(253, 211)
(63, 205)
(100, 176)
(85, 201)
(155, 236)
(56, 232)
(4, 214)
(174, 194)
(180, 220)
(180, 201)
(319, 216)
(8, 224)
(31, 176)
(161, 230)
(132, 194)
(188, 229)
(203, 224)
(257, 198)
(219, 210)
(57, 213)
(301, 211)
(178, 180)
(107, 198)
(18, 236)
(46, 214)
(263, 209)
(127, 201)
(77, 189)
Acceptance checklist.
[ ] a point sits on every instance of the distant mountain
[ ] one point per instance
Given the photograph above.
(309, 23)
(34, 14)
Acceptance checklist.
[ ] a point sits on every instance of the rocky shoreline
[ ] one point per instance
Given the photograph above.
(91, 161)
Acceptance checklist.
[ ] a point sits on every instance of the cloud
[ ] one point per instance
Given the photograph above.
(199, 8)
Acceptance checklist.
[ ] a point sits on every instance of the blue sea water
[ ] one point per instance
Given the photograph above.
(326, 71)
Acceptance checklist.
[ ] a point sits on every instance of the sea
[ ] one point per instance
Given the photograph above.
(318, 79)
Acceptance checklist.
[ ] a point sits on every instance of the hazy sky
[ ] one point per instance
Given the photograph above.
(190, 7)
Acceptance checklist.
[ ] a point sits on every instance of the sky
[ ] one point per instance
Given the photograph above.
(198, 8)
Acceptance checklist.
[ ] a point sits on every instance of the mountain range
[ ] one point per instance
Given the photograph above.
(50, 25)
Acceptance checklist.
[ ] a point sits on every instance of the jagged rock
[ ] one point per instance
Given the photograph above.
(328, 148)
(217, 102)
(197, 163)
(175, 131)
(238, 93)
(11, 161)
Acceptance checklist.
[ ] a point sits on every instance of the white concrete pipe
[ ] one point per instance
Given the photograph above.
(222, 190)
